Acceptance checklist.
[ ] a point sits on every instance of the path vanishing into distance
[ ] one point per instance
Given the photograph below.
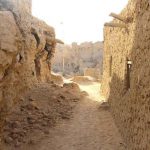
(91, 128)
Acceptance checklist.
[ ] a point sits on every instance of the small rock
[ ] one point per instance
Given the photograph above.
(22, 99)
(8, 140)
(35, 105)
(31, 99)
(65, 117)
(14, 135)
(30, 120)
(58, 100)
(17, 144)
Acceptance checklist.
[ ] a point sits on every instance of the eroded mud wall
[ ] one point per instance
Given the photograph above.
(126, 76)
(27, 45)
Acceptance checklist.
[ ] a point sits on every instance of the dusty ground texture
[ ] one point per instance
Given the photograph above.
(91, 126)
(38, 111)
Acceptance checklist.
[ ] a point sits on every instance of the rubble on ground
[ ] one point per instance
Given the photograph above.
(38, 111)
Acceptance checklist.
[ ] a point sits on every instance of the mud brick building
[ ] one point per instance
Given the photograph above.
(126, 74)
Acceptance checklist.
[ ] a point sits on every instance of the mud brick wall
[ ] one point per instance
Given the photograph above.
(23, 58)
(126, 74)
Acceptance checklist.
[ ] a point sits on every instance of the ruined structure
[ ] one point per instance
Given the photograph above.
(27, 45)
(93, 72)
(126, 75)
(75, 59)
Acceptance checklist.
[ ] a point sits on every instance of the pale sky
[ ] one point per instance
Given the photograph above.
(77, 20)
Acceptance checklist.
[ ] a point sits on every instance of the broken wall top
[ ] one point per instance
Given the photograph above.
(17, 5)
(128, 13)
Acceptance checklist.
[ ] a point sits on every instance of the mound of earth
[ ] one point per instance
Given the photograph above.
(57, 79)
(38, 111)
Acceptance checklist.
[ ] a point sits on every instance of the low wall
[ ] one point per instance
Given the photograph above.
(92, 72)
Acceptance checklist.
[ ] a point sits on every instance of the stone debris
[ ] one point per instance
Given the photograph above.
(40, 110)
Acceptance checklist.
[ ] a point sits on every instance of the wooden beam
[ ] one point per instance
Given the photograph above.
(111, 24)
(118, 17)
(59, 41)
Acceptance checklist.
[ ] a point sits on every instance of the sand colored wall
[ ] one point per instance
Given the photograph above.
(93, 72)
(130, 104)
(22, 41)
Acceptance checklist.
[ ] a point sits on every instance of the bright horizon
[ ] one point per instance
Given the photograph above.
(77, 20)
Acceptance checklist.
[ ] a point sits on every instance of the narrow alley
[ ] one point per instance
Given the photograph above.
(91, 128)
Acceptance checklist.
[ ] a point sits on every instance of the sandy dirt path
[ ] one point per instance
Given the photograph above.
(91, 128)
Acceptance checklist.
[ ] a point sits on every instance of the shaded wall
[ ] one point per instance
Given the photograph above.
(127, 87)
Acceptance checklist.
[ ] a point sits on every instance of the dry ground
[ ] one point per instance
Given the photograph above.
(91, 128)
(39, 110)
(70, 122)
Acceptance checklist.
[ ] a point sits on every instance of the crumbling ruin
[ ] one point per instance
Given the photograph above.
(27, 46)
(126, 74)
(75, 59)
